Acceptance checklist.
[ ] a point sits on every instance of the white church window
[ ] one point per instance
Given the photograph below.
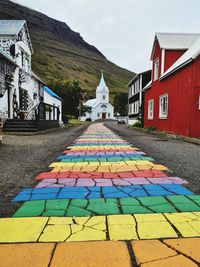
(98, 114)
(104, 97)
(103, 106)
(108, 114)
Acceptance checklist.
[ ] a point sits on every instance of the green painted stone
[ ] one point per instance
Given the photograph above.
(81, 203)
(76, 211)
(30, 209)
(166, 207)
(135, 210)
(129, 201)
(196, 199)
(57, 212)
(57, 204)
(151, 201)
(103, 206)
(183, 203)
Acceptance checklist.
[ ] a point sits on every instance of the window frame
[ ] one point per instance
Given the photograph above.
(150, 115)
(163, 114)
(156, 69)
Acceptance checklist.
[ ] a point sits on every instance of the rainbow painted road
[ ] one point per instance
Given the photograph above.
(103, 203)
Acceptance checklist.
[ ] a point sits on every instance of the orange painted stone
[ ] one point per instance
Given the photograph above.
(187, 246)
(22, 255)
(150, 250)
(95, 254)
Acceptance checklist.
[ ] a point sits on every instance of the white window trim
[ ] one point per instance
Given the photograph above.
(161, 115)
(150, 116)
(155, 78)
(199, 102)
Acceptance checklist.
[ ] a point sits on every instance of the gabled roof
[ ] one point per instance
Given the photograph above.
(191, 54)
(137, 76)
(12, 28)
(37, 77)
(147, 86)
(7, 57)
(91, 102)
(50, 92)
(102, 85)
(174, 41)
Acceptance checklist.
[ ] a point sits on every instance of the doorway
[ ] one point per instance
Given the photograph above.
(103, 115)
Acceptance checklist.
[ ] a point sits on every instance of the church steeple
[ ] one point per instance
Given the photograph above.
(102, 92)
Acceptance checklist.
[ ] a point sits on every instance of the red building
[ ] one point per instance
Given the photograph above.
(172, 98)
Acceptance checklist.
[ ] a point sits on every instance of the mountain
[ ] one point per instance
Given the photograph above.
(61, 53)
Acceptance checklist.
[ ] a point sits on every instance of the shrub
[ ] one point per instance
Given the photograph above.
(65, 119)
(88, 119)
(151, 128)
(137, 124)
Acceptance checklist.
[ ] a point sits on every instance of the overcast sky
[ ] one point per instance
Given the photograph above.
(123, 30)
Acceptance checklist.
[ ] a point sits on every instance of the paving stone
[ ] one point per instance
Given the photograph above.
(183, 203)
(95, 254)
(98, 192)
(22, 255)
(155, 253)
(187, 246)
(21, 229)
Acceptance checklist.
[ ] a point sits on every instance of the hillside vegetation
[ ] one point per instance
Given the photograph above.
(60, 53)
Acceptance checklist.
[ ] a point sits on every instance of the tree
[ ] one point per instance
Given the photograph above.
(71, 93)
(121, 103)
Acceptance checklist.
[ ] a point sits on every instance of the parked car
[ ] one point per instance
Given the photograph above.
(121, 120)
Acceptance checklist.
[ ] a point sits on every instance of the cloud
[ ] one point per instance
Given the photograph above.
(123, 30)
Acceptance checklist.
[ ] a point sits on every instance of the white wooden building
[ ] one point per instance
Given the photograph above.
(100, 106)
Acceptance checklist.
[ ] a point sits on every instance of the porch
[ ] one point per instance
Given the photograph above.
(45, 117)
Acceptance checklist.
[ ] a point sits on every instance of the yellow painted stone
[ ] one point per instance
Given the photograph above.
(159, 167)
(156, 217)
(55, 233)
(150, 250)
(154, 226)
(61, 220)
(175, 261)
(93, 254)
(22, 255)
(187, 246)
(21, 229)
(87, 233)
(187, 223)
(122, 227)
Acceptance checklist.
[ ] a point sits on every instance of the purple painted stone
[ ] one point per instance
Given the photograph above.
(167, 180)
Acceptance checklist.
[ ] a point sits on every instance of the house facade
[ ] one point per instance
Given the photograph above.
(21, 90)
(172, 98)
(100, 106)
(136, 96)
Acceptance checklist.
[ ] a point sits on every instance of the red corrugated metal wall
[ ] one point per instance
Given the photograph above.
(183, 89)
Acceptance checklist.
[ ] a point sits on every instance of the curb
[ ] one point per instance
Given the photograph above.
(171, 136)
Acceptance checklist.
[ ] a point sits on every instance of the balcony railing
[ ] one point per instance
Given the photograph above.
(47, 112)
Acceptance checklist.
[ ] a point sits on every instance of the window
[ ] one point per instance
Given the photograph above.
(108, 115)
(103, 106)
(104, 97)
(23, 99)
(98, 114)
(27, 65)
(199, 102)
(156, 69)
(163, 107)
(150, 109)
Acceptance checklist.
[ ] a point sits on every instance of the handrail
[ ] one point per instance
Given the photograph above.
(47, 112)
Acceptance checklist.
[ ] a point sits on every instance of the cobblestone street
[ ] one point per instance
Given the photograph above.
(103, 194)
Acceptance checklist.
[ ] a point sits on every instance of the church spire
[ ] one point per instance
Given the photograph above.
(102, 85)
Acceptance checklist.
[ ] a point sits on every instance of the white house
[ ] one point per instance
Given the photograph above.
(21, 90)
(100, 106)
(54, 100)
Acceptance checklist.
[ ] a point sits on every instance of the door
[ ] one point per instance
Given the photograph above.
(103, 115)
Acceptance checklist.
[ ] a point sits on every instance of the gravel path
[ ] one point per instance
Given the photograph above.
(182, 158)
(23, 157)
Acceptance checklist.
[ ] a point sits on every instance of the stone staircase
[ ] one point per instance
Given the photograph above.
(14, 125)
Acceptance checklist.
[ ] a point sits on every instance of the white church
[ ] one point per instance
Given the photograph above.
(100, 106)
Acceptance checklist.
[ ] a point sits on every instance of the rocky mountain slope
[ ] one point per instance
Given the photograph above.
(60, 53)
